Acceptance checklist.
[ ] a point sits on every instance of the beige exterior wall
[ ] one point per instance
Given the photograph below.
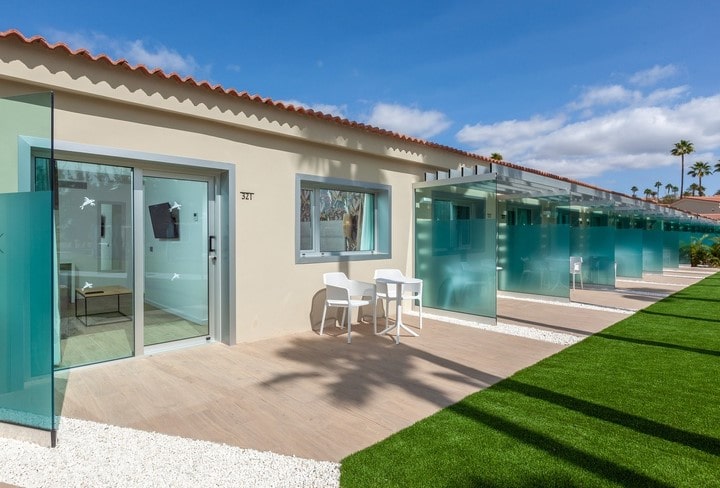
(114, 107)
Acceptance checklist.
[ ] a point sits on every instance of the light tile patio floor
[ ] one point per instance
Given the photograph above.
(317, 396)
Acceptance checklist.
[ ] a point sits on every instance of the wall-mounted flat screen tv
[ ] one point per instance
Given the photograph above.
(165, 222)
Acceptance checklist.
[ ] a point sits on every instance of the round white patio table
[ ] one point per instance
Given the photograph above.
(398, 283)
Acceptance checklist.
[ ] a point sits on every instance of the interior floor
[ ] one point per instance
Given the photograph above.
(107, 332)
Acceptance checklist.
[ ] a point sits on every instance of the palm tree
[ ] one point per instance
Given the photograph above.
(657, 185)
(717, 166)
(692, 189)
(648, 193)
(668, 189)
(634, 188)
(681, 149)
(698, 170)
(496, 156)
(675, 190)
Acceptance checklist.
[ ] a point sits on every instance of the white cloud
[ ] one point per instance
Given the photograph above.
(666, 95)
(159, 57)
(631, 137)
(608, 129)
(94, 42)
(653, 75)
(617, 96)
(605, 95)
(409, 120)
(134, 51)
(337, 110)
(499, 134)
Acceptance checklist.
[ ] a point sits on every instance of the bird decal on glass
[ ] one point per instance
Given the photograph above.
(86, 202)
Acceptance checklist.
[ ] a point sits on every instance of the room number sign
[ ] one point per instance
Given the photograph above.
(246, 195)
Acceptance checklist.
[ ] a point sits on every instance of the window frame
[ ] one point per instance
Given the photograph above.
(382, 218)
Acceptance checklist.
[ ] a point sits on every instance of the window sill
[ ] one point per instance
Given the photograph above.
(331, 257)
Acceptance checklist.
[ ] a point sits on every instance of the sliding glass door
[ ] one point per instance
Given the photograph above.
(135, 260)
(95, 262)
(177, 255)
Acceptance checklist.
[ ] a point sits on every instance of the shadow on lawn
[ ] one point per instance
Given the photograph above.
(668, 345)
(587, 461)
(701, 442)
(708, 285)
(686, 317)
(682, 297)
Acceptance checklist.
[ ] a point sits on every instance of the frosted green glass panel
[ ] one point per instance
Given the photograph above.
(653, 251)
(25, 116)
(537, 259)
(629, 252)
(683, 243)
(596, 245)
(26, 266)
(26, 309)
(671, 249)
(455, 244)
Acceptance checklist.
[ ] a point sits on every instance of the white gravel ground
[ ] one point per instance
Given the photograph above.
(89, 454)
(511, 329)
(98, 455)
(558, 303)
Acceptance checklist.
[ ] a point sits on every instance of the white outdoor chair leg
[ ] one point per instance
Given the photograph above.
(375, 316)
(420, 306)
(342, 321)
(322, 323)
(349, 325)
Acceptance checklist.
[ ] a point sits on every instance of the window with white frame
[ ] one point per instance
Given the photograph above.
(341, 220)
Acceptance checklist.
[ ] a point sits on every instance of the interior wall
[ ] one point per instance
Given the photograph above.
(79, 224)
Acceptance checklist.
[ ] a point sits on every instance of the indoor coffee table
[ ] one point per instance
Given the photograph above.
(101, 291)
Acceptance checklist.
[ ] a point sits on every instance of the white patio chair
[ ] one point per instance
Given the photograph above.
(576, 269)
(412, 289)
(342, 292)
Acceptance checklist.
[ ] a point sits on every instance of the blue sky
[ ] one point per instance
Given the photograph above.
(597, 91)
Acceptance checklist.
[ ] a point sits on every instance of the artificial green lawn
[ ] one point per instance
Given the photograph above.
(635, 405)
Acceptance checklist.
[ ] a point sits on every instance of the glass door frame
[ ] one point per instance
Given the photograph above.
(222, 214)
(214, 332)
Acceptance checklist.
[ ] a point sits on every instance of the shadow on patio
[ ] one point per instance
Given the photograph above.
(304, 395)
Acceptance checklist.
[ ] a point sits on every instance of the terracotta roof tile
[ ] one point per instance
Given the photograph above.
(712, 198)
(158, 72)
